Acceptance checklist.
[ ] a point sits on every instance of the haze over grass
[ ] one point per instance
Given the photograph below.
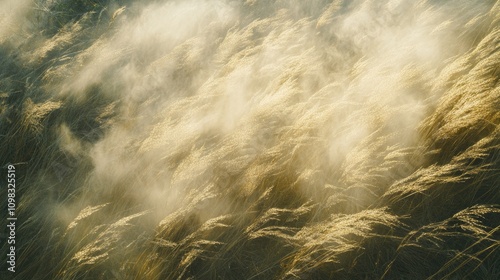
(252, 139)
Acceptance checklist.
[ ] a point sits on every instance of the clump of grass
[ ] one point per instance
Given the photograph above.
(462, 246)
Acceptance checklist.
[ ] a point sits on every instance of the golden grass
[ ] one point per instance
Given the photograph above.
(255, 140)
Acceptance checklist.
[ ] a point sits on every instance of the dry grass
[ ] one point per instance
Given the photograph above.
(254, 139)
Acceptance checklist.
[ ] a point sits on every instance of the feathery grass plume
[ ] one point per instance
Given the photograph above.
(354, 245)
(34, 114)
(252, 139)
(463, 246)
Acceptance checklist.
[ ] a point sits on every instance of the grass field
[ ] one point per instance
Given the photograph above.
(251, 139)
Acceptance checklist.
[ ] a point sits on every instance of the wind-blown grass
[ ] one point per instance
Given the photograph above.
(253, 139)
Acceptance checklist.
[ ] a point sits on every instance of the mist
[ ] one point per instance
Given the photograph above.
(252, 139)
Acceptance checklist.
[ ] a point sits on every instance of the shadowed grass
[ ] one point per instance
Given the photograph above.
(253, 139)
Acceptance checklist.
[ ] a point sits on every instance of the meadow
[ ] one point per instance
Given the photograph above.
(251, 139)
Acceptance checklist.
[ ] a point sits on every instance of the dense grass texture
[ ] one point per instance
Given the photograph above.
(252, 139)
